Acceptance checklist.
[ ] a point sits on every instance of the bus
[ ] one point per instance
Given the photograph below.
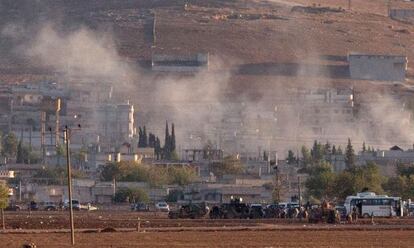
(369, 204)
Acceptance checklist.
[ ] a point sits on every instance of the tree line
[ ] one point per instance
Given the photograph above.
(323, 183)
(168, 151)
(155, 176)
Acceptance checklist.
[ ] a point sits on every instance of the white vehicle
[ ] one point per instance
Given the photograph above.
(162, 206)
(369, 204)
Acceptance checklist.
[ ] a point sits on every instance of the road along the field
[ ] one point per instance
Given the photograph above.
(280, 238)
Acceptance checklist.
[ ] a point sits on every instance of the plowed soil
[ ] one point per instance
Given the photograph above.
(219, 239)
(126, 220)
(50, 229)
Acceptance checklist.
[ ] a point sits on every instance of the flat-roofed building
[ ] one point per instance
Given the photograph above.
(377, 67)
(179, 63)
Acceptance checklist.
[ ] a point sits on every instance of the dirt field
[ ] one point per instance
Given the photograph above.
(49, 229)
(220, 239)
(127, 220)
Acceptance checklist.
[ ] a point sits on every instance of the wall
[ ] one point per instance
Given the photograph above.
(401, 14)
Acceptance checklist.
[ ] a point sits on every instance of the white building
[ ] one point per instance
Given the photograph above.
(115, 123)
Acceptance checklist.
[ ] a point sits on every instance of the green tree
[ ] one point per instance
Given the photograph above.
(25, 155)
(167, 143)
(317, 152)
(333, 150)
(306, 156)
(357, 179)
(151, 140)
(158, 149)
(4, 200)
(140, 138)
(60, 153)
(349, 155)
(110, 171)
(4, 196)
(327, 149)
(291, 159)
(175, 195)
(9, 145)
(131, 195)
(172, 141)
(19, 153)
(145, 137)
(320, 181)
(405, 169)
(181, 176)
(339, 151)
(230, 165)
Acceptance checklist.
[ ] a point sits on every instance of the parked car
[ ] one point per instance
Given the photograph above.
(33, 206)
(13, 207)
(140, 207)
(256, 211)
(75, 204)
(292, 205)
(272, 211)
(282, 205)
(162, 206)
(50, 206)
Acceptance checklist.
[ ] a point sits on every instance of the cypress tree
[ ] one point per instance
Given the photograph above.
(172, 147)
(327, 149)
(157, 148)
(151, 140)
(140, 137)
(349, 155)
(167, 148)
(19, 153)
(339, 151)
(144, 137)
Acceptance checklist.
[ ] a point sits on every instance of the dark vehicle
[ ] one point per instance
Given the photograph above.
(13, 207)
(256, 211)
(50, 206)
(192, 211)
(33, 206)
(272, 211)
(234, 209)
(140, 207)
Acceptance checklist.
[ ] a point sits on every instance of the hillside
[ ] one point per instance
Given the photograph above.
(258, 50)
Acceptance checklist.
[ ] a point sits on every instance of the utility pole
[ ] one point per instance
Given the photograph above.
(300, 198)
(72, 226)
(42, 135)
(57, 120)
(20, 190)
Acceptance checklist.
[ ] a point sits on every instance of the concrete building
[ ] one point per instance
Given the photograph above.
(115, 123)
(179, 63)
(377, 67)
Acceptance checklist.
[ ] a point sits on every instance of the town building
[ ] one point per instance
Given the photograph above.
(377, 67)
(180, 63)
